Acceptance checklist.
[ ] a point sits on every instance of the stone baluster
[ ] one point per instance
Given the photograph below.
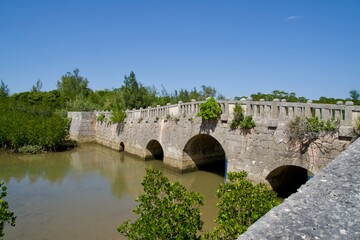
(338, 112)
(308, 107)
(275, 109)
(180, 106)
(349, 107)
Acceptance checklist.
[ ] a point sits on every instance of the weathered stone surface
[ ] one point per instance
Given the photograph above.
(258, 151)
(326, 207)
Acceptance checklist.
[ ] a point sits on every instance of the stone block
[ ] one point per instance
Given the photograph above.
(346, 131)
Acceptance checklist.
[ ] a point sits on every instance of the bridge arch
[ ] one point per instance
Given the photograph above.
(154, 150)
(121, 147)
(287, 179)
(206, 153)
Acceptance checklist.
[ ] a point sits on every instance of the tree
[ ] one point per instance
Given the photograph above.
(72, 85)
(354, 95)
(166, 211)
(6, 216)
(207, 91)
(4, 90)
(37, 87)
(135, 95)
(241, 203)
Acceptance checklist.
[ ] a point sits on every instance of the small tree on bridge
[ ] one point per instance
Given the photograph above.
(210, 110)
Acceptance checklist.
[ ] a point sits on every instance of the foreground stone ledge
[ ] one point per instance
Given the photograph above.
(326, 207)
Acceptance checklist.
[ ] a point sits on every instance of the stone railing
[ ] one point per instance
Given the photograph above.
(269, 111)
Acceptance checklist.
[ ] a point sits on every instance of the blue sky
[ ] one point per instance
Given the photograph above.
(239, 47)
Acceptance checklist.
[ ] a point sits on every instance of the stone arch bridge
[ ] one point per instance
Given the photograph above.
(183, 141)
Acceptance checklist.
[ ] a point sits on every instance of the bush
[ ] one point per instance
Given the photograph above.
(6, 216)
(101, 117)
(21, 128)
(307, 130)
(357, 124)
(166, 211)
(245, 122)
(30, 149)
(240, 204)
(210, 110)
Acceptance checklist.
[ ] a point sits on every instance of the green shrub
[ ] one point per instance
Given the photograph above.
(21, 128)
(248, 123)
(166, 211)
(210, 110)
(30, 149)
(6, 216)
(357, 124)
(101, 117)
(245, 122)
(241, 203)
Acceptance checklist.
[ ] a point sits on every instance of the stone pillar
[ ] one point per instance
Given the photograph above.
(275, 109)
(349, 106)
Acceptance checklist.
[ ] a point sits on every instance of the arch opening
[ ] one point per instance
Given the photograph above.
(206, 153)
(286, 180)
(122, 147)
(154, 151)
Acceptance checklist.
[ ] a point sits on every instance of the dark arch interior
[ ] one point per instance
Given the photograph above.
(207, 153)
(154, 151)
(122, 147)
(286, 180)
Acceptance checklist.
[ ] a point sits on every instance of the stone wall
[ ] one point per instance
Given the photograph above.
(326, 207)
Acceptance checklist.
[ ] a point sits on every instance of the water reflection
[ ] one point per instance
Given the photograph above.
(85, 193)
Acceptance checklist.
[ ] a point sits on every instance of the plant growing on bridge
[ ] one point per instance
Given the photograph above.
(241, 203)
(166, 211)
(245, 122)
(101, 117)
(357, 124)
(307, 130)
(210, 110)
(118, 114)
(6, 216)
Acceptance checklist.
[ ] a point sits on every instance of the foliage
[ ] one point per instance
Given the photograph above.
(30, 149)
(37, 87)
(210, 110)
(101, 117)
(240, 204)
(248, 123)
(72, 85)
(6, 216)
(290, 97)
(357, 124)
(80, 103)
(4, 90)
(50, 100)
(245, 122)
(166, 211)
(307, 130)
(134, 94)
(23, 125)
(354, 95)
(118, 114)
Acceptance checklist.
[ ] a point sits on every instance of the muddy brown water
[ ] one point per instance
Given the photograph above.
(85, 193)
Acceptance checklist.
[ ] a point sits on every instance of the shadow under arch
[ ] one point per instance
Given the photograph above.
(206, 153)
(154, 151)
(286, 180)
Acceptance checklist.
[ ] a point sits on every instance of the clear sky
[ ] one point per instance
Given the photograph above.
(239, 47)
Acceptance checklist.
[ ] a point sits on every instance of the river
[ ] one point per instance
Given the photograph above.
(85, 193)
